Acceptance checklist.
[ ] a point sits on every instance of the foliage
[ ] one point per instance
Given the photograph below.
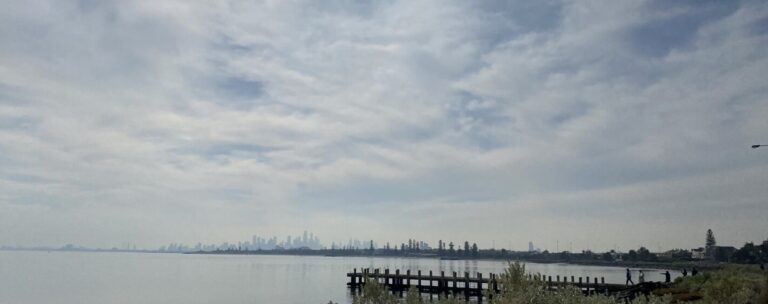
(710, 242)
(374, 292)
(666, 299)
(734, 284)
(451, 300)
(413, 296)
(517, 288)
(642, 254)
(751, 253)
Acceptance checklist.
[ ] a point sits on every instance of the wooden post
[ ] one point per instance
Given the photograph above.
(408, 278)
(602, 282)
(572, 280)
(419, 283)
(579, 283)
(443, 283)
(430, 285)
(587, 285)
(466, 285)
(386, 277)
(479, 284)
(354, 277)
(454, 283)
(595, 288)
(491, 283)
(396, 279)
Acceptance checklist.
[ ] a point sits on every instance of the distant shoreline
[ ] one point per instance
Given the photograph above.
(85, 250)
(659, 265)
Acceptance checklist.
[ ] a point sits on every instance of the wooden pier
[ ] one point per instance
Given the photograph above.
(458, 284)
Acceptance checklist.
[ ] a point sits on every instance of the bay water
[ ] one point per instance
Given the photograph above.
(130, 277)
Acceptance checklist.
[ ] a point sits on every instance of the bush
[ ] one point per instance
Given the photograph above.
(375, 293)
(733, 284)
(517, 288)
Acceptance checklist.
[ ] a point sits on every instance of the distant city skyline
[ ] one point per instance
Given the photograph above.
(585, 125)
(307, 240)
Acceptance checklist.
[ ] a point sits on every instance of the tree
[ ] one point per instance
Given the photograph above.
(631, 255)
(607, 256)
(747, 254)
(710, 239)
(710, 244)
(643, 254)
(474, 249)
(466, 248)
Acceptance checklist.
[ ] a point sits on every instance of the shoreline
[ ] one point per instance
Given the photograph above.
(651, 265)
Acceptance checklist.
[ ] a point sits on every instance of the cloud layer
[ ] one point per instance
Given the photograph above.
(603, 124)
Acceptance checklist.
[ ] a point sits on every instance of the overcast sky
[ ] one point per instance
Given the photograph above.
(595, 124)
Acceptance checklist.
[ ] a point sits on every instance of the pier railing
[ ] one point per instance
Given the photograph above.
(474, 286)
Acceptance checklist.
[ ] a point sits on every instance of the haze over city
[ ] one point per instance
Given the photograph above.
(590, 124)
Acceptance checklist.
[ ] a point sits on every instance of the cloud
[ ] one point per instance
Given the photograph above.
(208, 122)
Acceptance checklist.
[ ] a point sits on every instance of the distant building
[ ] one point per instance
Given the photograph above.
(698, 254)
(722, 253)
(675, 254)
(530, 247)
(616, 256)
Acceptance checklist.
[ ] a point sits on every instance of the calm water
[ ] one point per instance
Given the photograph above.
(92, 277)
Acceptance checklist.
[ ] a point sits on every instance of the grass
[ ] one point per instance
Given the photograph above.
(733, 284)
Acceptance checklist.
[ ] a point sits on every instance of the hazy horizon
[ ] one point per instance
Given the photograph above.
(598, 124)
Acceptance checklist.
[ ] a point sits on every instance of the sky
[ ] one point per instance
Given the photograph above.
(572, 124)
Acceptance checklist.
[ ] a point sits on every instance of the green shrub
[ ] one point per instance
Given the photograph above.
(413, 296)
(517, 288)
(375, 293)
(733, 284)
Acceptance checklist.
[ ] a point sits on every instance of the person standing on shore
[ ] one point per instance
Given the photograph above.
(667, 277)
(629, 278)
(685, 273)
